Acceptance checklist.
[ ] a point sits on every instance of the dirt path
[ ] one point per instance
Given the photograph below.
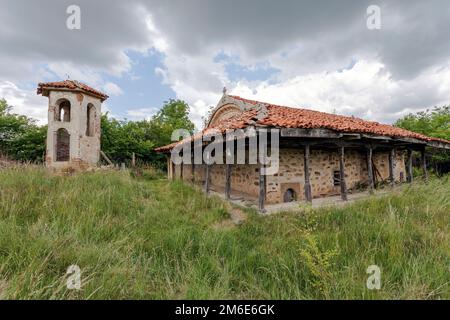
(237, 217)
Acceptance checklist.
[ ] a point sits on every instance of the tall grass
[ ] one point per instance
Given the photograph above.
(151, 239)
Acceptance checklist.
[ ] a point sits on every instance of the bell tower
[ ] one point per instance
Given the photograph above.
(74, 113)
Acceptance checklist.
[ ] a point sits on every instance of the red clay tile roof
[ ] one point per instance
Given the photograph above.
(71, 85)
(287, 117)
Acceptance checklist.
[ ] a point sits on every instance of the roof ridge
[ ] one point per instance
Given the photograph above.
(255, 102)
(72, 85)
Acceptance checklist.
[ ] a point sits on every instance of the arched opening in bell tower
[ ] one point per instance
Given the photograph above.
(62, 145)
(90, 120)
(63, 111)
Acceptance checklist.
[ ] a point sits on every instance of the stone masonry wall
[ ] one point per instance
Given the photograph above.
(244, 178)
(323, 164)
(84, 151)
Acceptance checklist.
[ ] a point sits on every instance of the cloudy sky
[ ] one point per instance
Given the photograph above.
(315, 54)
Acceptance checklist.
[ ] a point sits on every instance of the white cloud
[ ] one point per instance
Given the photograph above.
(25, 102)
(308, 42)
(68, 70)
(142, 113)
(402, 67)
(112, 89)
(35, 33)
(367, 90)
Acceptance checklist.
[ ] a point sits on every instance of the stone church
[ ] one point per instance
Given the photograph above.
(320, 154)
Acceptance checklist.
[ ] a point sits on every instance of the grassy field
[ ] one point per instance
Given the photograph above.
(151, 239)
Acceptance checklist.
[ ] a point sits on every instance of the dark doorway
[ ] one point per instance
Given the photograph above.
(62, 145)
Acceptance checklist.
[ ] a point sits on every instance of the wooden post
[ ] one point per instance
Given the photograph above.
(342, 174)
(228, 181)
(181, 170)
(133, 160)
(262, 189)
(370, 169)
(409, 177)
(207, 178)
(262, 177)
(391, 167)
(192, 165)
(424, 165)
(173, 169)
(308, 193)
(168, 167)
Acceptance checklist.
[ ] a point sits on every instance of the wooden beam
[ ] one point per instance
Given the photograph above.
(308, 193)
(413, 140)
(106, 158)
(440, 145)
(326, 133)
(342, 174)
(424, 165)
(228, 181)
(376, 174)
(391, 167)
(409, 175)
(375, 137)
(370, 169)
(330, 143)
(351, 136)
(309, 133)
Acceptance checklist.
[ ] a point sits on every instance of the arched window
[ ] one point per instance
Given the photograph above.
(63, 111)
(90, 120)
(289, 195)
(62, 145)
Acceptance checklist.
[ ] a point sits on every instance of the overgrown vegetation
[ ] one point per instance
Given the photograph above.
(20, 138)
(121, 138)
(433, 123)
(139, 238)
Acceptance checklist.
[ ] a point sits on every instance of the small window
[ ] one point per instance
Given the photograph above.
(336, 178)
(289, 195)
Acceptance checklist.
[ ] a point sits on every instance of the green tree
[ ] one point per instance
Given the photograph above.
(20, 137)
(121, 138)
(433, 123)
(173, 115)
